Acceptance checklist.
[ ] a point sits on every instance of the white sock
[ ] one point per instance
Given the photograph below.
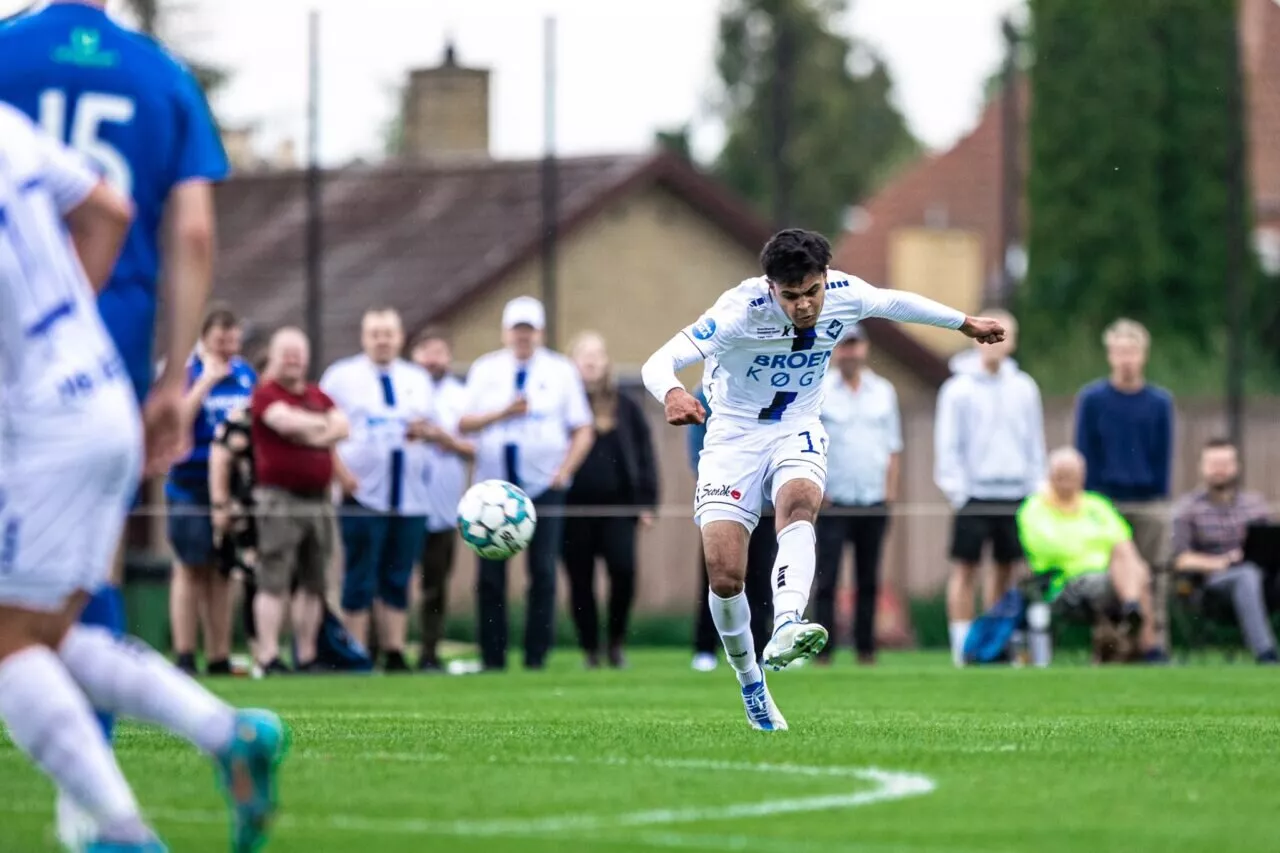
(129, 678)
(50, 720)
(793, 572)
(732, 617)
(959, 630)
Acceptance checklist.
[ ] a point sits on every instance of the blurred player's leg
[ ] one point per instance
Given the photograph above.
(131, 679)
(50, 720)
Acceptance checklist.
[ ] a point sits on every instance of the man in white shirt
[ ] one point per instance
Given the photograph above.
(446, 481)
(384, 470)
(528, 411)
(766, 344)
(70, 461)
(860, 414)
(989, 455)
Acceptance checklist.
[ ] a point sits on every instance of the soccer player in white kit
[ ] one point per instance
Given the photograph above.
(766, 344)
(70, 459)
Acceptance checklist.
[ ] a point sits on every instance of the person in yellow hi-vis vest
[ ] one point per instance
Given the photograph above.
(1081, 536)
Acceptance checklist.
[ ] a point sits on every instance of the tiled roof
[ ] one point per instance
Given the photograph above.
(1260, 39)
(425, 237)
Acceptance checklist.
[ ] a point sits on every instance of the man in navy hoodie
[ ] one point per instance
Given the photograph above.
(1124, 430)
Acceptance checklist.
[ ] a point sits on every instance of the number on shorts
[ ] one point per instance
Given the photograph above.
(808, 438)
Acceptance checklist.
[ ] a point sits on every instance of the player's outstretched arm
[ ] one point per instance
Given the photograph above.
(905, 307)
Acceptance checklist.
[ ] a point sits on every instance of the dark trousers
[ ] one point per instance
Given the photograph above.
(380, 550)
(540, 603)
(761, 551)
(865, 532)
(437, 562)
(614, 539)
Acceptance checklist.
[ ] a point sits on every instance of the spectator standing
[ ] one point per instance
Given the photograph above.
(529, 413)
(1209, 528)
(388, 402)
(989, 454)
(762, 548)
(1124, 430)
(860, 413)
(235, 530)
(446, 481)
(295, 428)
(619, 474)
(218, 382)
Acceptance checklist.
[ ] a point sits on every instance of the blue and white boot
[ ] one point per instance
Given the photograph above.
(762, 714)
(247, 771)
(794, 640)
(152, 846)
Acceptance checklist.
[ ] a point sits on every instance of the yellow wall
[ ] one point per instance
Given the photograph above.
(943, 264)
(641, 270)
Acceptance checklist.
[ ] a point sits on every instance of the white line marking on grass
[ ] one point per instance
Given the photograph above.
(886, 786)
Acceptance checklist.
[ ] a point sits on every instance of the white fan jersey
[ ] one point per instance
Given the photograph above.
(759, 366)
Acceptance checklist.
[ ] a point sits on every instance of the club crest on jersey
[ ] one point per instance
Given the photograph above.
(704, 328)
(834, 328)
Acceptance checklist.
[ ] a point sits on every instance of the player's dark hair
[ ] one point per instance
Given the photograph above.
(793, 255)
(1218, 442)
(431, 333)
(218, 317)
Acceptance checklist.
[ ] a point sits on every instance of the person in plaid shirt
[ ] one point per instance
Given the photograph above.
(1209, 527)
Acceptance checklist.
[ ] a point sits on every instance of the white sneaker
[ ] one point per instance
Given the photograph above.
(76, 828)
(792, 641)
(704, 662)
(762, 714)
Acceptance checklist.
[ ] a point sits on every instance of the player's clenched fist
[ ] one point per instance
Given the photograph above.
(984, 330)
(683, 408)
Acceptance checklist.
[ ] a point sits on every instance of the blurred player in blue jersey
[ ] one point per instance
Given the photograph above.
(139, 116)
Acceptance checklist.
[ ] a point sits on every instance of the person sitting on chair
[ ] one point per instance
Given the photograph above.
(1209, 528)
(1083, 538)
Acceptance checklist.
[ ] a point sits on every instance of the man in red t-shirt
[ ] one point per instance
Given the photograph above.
(295, 426)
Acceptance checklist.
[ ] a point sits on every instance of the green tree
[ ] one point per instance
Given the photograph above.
(811, 126)
(1130, 141)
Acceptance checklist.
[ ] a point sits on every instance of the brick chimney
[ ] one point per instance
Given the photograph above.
(446, 110)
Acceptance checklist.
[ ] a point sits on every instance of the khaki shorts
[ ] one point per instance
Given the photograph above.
(1151, 536)
(295, 541)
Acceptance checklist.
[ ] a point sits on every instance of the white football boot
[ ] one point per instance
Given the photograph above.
(794, 640)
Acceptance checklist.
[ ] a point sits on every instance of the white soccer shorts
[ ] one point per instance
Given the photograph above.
(743, 461)
(62, 514)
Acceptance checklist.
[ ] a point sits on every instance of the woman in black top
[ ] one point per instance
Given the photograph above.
(620, 478)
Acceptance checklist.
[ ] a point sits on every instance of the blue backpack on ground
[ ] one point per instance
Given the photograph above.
(989, 636)
(337, 650)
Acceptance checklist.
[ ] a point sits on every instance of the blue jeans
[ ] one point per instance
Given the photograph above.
(190, 527)
(380, 550)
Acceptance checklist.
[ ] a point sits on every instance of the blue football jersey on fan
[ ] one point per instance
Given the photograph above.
(138, 115)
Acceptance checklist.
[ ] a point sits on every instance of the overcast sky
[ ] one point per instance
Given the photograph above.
(626, 67)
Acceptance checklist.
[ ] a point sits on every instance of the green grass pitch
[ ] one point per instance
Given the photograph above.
(910, 757)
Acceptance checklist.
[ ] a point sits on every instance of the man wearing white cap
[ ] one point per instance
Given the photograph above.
(533, 427)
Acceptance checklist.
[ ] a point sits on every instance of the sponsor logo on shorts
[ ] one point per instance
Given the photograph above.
(704, 328)
(719, 492)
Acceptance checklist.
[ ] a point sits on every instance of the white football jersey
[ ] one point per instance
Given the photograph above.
(759, 366)
(57, 361)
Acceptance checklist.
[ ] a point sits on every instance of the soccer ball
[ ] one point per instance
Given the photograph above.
(496, 519)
